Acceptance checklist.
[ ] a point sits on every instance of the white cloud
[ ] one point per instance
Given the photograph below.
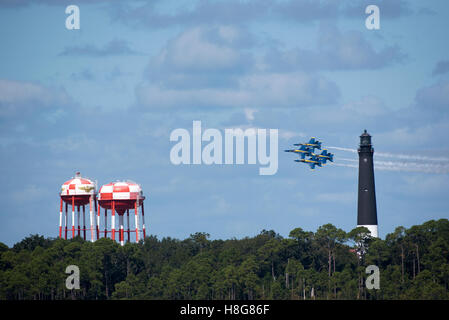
(423, 137)
(367, 105)
(17, 97)
(201, 49)
(72, 143)
(336, 50)
(287, 134)
(253, 91)
(202, 57)
(112, 48)
(249, 113)
(147, 14)
(435, 96)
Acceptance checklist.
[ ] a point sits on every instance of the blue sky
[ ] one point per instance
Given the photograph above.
(103, 100)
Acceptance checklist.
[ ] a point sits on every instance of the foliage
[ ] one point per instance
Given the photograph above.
(327, 264)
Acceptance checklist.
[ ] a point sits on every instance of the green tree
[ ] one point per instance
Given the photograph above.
(328, 236)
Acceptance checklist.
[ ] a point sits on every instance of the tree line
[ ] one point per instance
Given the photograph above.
(327, 264)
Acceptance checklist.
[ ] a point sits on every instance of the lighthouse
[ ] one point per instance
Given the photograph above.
(367, 211)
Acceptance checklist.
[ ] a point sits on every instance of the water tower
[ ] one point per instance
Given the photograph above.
(120, 197)
(78, 192)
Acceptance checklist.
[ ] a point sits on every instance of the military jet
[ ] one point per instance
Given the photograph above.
(302, 151)
(312, 162)
(324, 156)
(307, 150)
(312, 144)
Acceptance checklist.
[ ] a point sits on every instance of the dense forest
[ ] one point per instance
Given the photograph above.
(326, 264)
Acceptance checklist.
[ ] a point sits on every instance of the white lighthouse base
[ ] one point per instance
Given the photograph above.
(372, 229)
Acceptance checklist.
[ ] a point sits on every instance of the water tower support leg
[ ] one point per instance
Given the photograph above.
(84, 222)
(65, 220)
(73, 217)
(136, 212)
(105, 223)
(91, 217)
(143, 222)
(127, 215)
(60, 220)
(121, 233)
(78, 220)
(97, 214)
(113, 220)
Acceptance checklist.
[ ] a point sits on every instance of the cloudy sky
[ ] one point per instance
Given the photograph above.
(104, 99)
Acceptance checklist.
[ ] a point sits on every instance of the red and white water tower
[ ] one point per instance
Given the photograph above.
(120, 197)
(77, 192)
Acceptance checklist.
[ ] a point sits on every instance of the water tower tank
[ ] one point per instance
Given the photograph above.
(77, 192)
(120, 197)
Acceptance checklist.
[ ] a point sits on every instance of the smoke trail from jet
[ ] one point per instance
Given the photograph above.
(343, 149)
(401, 166)
(407, 168)
(345, 165)
(413, 166)
(439, 165)
(409, 157)
(397, 156)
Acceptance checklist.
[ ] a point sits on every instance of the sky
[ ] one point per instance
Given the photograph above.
(103, 100)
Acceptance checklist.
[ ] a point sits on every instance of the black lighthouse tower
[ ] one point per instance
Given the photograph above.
(366, 211)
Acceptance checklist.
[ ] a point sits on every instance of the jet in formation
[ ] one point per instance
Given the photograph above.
(308, 150)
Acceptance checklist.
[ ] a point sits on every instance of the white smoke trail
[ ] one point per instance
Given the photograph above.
(397, 156)
(343, 149)
(428, 169)
(396, 168)
(409, 157)
(345, 165)
(402, 166)
(413, 166)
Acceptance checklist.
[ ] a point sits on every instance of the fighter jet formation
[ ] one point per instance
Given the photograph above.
(308, 150)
